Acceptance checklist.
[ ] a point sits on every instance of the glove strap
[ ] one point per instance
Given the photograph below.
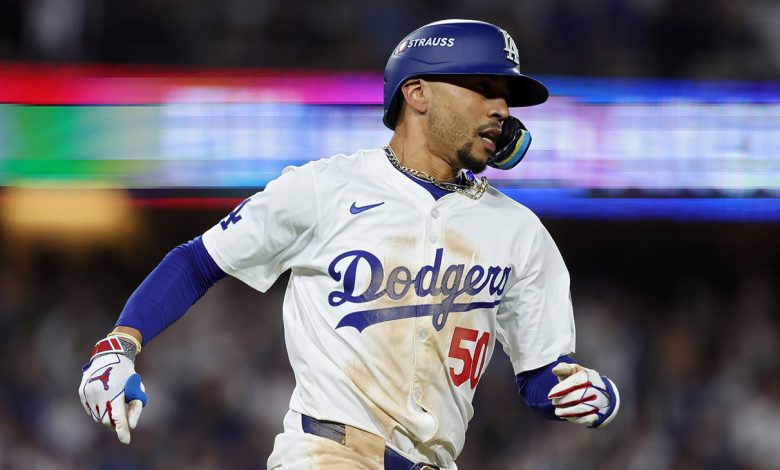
(127, 337)
(115, 344)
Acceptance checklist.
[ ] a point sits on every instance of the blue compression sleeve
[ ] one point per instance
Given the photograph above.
(181, 278)
(534, 385)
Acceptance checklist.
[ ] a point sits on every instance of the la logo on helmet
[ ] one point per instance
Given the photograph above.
(511, 48)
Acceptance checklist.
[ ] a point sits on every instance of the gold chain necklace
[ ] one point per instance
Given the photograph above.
(474, 190)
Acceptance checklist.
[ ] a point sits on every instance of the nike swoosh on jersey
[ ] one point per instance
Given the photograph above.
(355, 209)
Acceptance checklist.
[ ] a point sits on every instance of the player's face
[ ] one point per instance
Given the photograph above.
(465, 116)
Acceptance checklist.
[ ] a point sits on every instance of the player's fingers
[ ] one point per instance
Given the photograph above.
(94, 411)
(575, 398)
(120, 422)
(134, 409)
(564, 370)
(581, 409)
(135, 390)
(83, 400)
(86, 404)
(573, 382)
(86, 407)
(108, 418)
(587, 420)
(135, 396)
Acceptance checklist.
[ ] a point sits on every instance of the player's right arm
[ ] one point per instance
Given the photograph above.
(110, 390)
(257, 241)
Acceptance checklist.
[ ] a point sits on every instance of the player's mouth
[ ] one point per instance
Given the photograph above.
(490, 137)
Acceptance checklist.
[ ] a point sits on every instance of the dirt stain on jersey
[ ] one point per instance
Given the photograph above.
(383, 374)
(403, 243)
(457, 245)
(405, 353)
(324, 453)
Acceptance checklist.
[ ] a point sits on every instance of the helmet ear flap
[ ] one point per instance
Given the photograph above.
(396, 105)
(391, 116)
(512, 145)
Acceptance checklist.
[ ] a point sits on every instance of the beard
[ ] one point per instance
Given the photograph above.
(447, 127)
(468, 161)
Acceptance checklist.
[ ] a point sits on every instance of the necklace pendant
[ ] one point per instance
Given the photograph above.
(476, 187)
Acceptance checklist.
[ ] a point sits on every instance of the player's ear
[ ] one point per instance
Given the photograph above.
(416, 94)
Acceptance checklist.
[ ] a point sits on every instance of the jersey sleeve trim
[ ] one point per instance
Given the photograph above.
(526, 365)
(239, 274)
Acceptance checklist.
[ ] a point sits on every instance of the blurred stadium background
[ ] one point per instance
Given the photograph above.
(129, 127)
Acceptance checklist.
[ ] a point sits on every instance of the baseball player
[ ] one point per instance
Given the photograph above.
(405, 270)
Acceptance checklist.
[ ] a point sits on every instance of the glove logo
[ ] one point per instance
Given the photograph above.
(103, 378)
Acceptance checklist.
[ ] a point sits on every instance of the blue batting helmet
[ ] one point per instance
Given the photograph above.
(458, 47)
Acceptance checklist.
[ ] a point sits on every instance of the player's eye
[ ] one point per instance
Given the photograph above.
(482, 88)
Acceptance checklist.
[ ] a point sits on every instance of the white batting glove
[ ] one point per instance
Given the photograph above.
(110, 390)
(584, 396)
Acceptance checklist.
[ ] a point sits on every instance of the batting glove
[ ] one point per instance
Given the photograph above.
(110, 390)
(583, 396)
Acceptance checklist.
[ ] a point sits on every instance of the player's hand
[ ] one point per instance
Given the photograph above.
(584, 396)
(111, 391)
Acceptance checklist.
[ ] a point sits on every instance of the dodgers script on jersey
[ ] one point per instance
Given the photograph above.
(395, 300)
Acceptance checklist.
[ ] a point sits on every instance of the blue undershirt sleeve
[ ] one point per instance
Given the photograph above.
(534, 385)
(181, 278)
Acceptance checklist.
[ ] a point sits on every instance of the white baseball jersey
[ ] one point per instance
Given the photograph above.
(395, 300)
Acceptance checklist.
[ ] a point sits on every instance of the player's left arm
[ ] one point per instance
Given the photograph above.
(564, 390)
(536, 328)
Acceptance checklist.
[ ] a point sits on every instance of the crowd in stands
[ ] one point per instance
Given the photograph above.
(659, 38)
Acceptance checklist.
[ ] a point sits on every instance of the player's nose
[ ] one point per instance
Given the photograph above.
(498, 109)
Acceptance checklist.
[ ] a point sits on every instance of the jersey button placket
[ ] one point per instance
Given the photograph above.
(433, 236)
(424, 356)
